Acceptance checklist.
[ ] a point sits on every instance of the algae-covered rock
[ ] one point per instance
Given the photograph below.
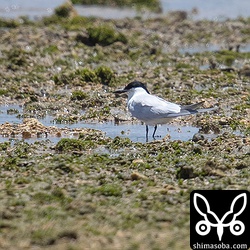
(68, 144)
(105, 35)
(66, 10)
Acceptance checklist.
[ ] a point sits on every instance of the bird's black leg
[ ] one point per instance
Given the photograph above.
(146, 133)
(155, 128)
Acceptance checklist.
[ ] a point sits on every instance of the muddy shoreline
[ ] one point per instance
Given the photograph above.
(97, 192)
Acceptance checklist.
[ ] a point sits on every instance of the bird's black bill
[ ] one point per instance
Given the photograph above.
(120, 91)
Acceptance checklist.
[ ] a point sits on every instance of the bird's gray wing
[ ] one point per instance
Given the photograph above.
(151, 107)
(161, 106)
(184, 112)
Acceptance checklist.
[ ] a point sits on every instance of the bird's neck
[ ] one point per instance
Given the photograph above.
(136, 92)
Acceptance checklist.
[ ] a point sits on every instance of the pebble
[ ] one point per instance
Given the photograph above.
(138, 176)
(198, 137)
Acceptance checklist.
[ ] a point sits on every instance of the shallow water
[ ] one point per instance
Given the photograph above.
(200, 48)
(212, 9)
(192, 49)
(135, 132)
(32, 9)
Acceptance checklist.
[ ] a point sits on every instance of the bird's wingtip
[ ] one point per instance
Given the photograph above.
(192, 106)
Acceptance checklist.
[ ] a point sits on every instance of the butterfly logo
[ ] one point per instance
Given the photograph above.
(210, 219)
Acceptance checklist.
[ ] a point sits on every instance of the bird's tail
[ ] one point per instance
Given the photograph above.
(193, 108)
(189, 111)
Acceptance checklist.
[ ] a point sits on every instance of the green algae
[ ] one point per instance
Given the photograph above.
(3, 92)
(82, 76)
(104, 35)
(51, 49)
(4, 146)
(65, 10)
(107, 190)
(17, 57)
(14, 23)
(67, 144)
(105, 74)
(6, 23)
(86, 74)
(78, 95)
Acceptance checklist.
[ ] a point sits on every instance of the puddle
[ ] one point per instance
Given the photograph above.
(200, 48)
(32, 9)
(212, 9)
(193, 49)
(105, 12)
(11, 118)
(135, 132)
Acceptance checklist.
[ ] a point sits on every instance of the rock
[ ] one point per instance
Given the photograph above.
(241, 165)
(68, 235)
(31, 127)
(31, 122)
(223, 121)
(245, 71)
(198, 137)
(26, 135)
(136, 161)
(138, 176)
(66, 10)
(186, 172)
(84, 38)
(58, 134)
(197, 149)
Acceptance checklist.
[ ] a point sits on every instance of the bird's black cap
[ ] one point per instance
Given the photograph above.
(134, 84)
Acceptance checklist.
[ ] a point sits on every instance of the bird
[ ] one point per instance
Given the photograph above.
(153, 110)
